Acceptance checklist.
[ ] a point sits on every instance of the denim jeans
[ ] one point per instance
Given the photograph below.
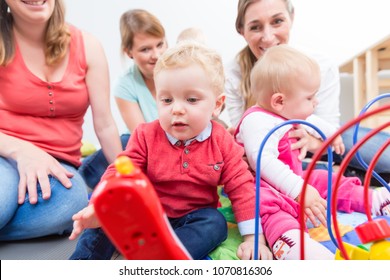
(46, 217)
(93, 244)
(369, 149)
(200, 231)
(94, 166)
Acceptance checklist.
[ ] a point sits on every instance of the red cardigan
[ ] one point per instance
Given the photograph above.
(186, 177)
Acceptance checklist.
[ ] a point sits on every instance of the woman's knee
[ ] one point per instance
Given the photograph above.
(76, 197)
(93, 167)
(124, 139)
(77, 194)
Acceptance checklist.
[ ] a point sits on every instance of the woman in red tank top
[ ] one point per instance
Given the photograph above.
(50, 72)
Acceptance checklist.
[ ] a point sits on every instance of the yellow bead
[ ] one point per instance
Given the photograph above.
(124, 165)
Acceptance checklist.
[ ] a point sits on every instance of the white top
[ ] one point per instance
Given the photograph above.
(253, 130)
(328, 95)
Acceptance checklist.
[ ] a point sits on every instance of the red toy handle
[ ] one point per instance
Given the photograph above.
(131, 215)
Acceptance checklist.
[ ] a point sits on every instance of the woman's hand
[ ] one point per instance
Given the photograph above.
(36, 166)
(305, 142)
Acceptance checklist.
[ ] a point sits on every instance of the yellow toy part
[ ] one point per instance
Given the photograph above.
(354, 253)
(380, 250)
(124, 166)
(87, 148)
(374, 235)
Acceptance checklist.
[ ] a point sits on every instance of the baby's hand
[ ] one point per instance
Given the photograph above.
(338, 145)
(83, 219)
(315, 206)
(246, 249)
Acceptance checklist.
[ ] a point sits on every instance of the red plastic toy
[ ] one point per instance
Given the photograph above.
(373, 231)
(131, 215)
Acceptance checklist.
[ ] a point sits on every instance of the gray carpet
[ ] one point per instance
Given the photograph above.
(47, 248)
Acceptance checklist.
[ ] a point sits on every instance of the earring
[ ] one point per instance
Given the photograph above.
(8, 10)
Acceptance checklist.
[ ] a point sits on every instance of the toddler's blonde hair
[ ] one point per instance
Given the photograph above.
(187, 53)
(192, 33)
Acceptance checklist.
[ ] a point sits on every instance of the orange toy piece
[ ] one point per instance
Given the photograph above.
(131, 215)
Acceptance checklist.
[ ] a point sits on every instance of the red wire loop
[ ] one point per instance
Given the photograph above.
(343, 166)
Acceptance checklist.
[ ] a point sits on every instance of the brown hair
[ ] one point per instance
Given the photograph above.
(57, 35)
(138, 21)
(245, 58)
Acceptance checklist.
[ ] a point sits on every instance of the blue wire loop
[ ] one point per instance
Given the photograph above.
(258, 177)
(355, 139)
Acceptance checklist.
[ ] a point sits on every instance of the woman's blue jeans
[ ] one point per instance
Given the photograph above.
(369, 149)
(94, 166)
(46, 217)
(200, 231)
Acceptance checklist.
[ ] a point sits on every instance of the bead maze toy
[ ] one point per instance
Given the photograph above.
(374, 233)
(258, 177)
(355, 138)
(131, 215)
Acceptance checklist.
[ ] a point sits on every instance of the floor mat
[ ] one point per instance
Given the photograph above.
(47, 248)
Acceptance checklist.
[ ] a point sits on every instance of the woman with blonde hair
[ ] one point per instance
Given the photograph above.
(267, 23)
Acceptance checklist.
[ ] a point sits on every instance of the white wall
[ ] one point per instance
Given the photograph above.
(339, 28)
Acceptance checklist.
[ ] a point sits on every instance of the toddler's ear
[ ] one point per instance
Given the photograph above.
(219, 104)
(277, 101)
